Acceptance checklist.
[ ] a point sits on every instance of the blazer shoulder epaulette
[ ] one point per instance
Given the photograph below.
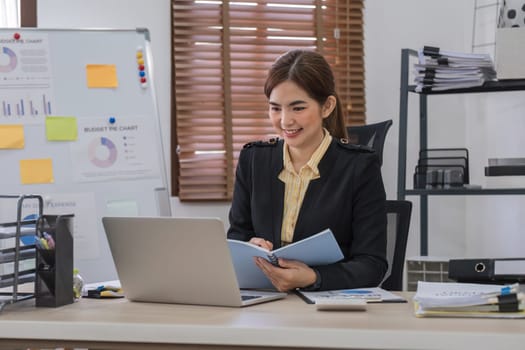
(269, 143)
(354, 147)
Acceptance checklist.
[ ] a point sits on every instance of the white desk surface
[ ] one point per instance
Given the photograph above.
(285, 324)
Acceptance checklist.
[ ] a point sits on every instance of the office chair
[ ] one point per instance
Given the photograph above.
(398, 224)
(371, 135)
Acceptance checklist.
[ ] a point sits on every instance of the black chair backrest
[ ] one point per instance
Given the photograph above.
(398, 224)
(371, 135)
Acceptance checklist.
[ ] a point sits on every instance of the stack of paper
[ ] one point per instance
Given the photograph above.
(439, 70)
(469, 300)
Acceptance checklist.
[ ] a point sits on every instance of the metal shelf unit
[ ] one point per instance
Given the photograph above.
(405, 90)
(13, 255)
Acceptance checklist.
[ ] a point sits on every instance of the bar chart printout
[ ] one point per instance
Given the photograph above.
(25, 79)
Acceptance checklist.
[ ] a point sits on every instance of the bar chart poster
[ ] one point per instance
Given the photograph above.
(26, 94)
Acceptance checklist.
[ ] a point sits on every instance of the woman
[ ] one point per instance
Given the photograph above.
(308, 180)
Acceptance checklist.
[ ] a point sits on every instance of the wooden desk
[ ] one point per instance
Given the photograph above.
(283, 324)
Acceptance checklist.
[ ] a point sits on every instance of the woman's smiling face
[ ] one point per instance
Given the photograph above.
(296, 117)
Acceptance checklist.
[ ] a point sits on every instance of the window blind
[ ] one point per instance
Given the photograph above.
(221, 53)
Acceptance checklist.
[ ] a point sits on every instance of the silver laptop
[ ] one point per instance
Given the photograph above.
(177, 260)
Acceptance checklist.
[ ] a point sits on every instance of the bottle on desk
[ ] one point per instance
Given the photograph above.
(78, 285)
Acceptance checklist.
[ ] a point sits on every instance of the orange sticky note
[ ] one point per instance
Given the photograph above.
(101, 76)
(36, 171)
(12, 136)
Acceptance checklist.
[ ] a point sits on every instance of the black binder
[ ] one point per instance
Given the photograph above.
(487, 270)
(505, 170)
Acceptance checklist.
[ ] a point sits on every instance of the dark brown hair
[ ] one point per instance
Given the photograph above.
(310, 71)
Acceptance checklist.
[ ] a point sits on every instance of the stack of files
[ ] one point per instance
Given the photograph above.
(448, 299)
(439, 70)
(505, 167)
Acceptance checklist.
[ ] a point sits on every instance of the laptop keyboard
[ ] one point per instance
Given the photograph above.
(249, 297)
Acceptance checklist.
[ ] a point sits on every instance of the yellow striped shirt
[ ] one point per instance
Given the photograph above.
(295, 186)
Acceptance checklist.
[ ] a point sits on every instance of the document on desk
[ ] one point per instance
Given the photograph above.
(371, 295)
(446, 299)
(316, 250)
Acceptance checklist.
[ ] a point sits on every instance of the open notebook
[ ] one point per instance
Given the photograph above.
(177, 260)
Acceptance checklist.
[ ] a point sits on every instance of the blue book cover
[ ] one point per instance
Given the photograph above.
(319, 249)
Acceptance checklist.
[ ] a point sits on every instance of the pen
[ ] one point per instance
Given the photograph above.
(108, 288)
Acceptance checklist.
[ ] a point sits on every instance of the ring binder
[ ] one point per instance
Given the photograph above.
(488, 270)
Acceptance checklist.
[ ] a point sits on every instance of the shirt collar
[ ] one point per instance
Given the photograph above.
(313, 163)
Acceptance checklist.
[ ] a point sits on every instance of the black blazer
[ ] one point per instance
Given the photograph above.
(349, 198)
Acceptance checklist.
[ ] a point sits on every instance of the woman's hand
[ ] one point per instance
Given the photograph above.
(261, 242)
(290, 274)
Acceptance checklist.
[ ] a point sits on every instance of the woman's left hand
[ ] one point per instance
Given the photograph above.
(290, 274)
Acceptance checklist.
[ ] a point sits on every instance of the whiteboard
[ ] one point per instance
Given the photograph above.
(79, 125)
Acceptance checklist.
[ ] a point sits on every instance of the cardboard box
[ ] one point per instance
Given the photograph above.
(510, 53)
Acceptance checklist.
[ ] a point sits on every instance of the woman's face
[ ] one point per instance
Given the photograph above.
(296, 117)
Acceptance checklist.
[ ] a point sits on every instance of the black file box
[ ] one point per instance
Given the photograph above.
(487, 270)
(54, 267)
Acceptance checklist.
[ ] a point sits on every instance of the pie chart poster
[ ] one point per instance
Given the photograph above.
(113, 152)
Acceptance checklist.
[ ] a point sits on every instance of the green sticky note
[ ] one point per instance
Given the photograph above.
(61, 128)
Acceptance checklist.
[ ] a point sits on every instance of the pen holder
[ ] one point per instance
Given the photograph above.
(54, 265)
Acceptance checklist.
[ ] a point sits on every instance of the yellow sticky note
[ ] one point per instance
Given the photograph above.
(36, 171)
(101, 76)
(61, 128)
(12, 136)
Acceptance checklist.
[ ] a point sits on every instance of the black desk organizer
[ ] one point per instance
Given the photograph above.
(442, 168)
(54, 267)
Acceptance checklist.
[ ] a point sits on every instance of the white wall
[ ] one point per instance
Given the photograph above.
(453, 120)
(489, 125)
(495, 223)
(389, 27)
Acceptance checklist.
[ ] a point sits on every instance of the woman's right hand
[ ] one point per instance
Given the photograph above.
(261, 242)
